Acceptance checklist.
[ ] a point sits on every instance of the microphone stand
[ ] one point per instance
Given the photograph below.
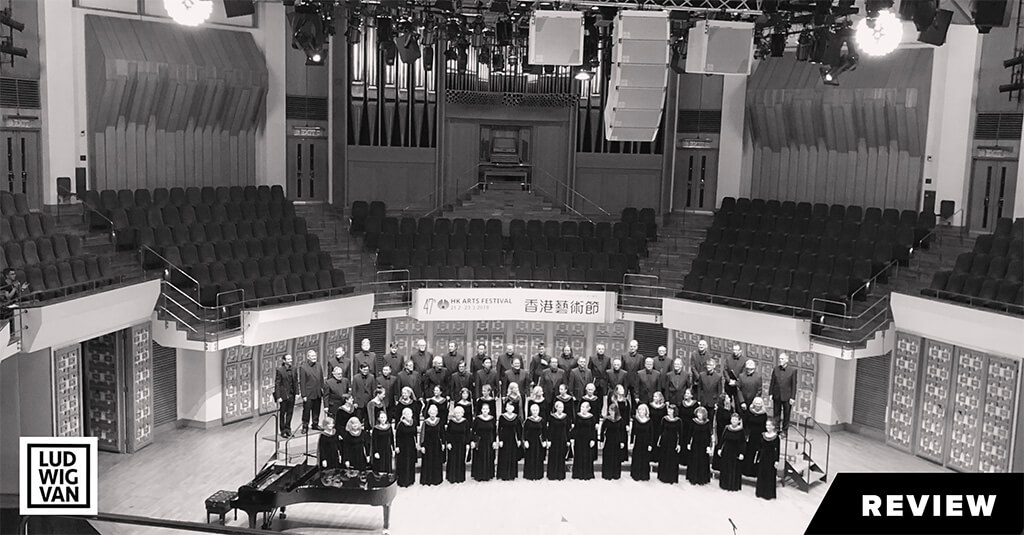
(733, 526)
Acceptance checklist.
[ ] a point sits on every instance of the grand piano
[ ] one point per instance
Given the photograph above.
(280, 485)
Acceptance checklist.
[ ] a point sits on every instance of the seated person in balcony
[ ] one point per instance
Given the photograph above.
(11, 290)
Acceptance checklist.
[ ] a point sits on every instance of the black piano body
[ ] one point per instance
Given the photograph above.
(280, 485)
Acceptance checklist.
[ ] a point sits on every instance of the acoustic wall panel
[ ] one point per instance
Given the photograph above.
(239, 382)
(935, 400)
(140, 398)
(899, 432)
(67, 391)
(269, 359)
(998, 414)
(968, 397)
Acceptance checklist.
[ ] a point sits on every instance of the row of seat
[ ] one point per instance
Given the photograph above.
(189, 254)
(839, 284)
(778, 299)
(109, 199)
(569, 244)
(978, 290)
(501, 276)
(876, 254)
(159, 237)
(265, 291)
(1005, 226)
(402, 259)
(822, 211)
(363, 210)
(517, 227)
(56, 279)
(13, 204)
(23, 227)
(128, 228)
(42, 250)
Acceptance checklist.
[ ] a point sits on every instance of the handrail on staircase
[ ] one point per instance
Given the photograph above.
(459, 195)
(430, 193)
(85, 204)
(168, 265)
(564, 204)
(828, 442)
(866, 287)
(573, 190)
(256, 443)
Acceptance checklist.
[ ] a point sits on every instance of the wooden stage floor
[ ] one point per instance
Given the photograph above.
(172, 477)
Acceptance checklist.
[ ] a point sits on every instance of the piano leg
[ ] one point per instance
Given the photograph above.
(387, 517)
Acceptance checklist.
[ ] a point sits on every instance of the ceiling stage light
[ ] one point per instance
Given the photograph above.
(189, 12)
(881, 35)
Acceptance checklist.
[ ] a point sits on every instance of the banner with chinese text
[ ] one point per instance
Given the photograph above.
(523, 304)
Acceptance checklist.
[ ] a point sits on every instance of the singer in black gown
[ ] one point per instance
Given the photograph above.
(383, 445)
(484, 442)
(642, 438)
(328, 448)
(754, 425)
(767, 456)
(698, 471)
(440, 401)
(686, 411)
(510, 436)
(533, 444)
(731, 451)
(613, 436)
(723, 412)
(558, 430)
(584, 443)
(406, 449)
(669, 446)
(466, 402)
(432, 448)
(355, 445)
(658, 410)
(457, 438)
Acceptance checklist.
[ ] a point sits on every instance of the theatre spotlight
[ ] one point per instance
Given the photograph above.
(830, 75)
(584, 75)
(6, 20)
(880, 35)
(803, 46)
(189, 12)
(428, 58)
(777, 43)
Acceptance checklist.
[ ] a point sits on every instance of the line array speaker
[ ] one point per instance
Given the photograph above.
(639, 74)
(720, 47)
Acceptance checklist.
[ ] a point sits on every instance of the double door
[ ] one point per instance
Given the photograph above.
(19, 151)
(993, 186)
(696, 175)
(307, 169)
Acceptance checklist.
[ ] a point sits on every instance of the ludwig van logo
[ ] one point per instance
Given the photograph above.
(58, 476)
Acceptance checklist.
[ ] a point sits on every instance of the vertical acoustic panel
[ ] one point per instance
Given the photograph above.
(968, 397)
(67, 391)
(239, 382)
(572, 334)
(451, 331)
(165, 385)
(903, 391)
(871, 391)
(140, 395)
(491, 333)
(614, 337)
(270, 358)
(527, 335)
(935, 400)
(997, 428)
(647, 335)
(103, 382)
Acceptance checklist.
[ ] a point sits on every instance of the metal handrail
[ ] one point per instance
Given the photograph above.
(430, 193)
(88, 206)
(458, 195)
(828, 441)
(34, 298)
(866, 287)
(574, 191)
(168, 263)
(971, 301)
(255, 442)
(564, 204)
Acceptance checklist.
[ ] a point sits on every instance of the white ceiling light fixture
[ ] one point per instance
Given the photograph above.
(879, 35)
(189, 12)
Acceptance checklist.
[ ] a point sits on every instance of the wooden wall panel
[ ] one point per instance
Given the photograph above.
(615, 181)
(269, 359)
(968, 396)
(140, 388)
(164, 103)
(1002, 382)
(67, 391)
(906, 361)
(397, 176)
(859, 143)
(239, 381)
(935, 400)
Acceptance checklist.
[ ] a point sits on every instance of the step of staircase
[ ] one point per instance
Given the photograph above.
(671, 256)
(69, 220)
(506, 204)
(330, 224)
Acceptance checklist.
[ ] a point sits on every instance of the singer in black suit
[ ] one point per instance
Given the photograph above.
(783, 391)
(286, 385)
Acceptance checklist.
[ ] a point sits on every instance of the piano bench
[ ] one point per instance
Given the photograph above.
(220, 503)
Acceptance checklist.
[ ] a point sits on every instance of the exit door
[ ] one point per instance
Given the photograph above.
(696, 176)
(307, 169)
(21, 163)
(993, 185)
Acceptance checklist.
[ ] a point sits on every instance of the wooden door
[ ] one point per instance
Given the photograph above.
(307, 169)
(696, 175)
(104, 388)
(21, 162)
(993, 185)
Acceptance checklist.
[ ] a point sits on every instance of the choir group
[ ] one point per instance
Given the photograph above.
(578, 410)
